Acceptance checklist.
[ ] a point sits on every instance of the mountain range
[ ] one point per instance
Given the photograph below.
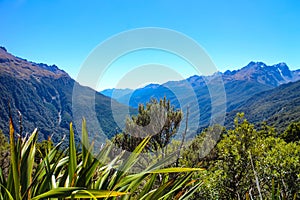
(43, 96)
(244, 88)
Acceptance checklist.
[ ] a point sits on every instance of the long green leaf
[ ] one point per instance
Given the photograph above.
(175, 170)
(27, 162)
(86, 151)
(148, 186)
(102, 182)
(90, 195)
(129, 162)
(51, 165)
(2, 179)
(189, 193)
(172, 188)
(158, 192)
(77, 192)
(72, 157)
(131, 179)
(178, 185)
(61, 192)
(14, 161)
(89, 171)
(7, 193)
(97, 194)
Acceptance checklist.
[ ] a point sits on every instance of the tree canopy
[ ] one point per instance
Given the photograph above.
(249, 163)
(157, 119)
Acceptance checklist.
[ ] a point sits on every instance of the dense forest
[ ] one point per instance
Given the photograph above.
(244, 162)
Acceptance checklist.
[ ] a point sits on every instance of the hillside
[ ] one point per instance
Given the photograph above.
(278, 107)
(42, 94)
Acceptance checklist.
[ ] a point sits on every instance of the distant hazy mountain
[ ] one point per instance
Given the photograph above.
(240, 85)
(43, 96)
(253, 78)
(116, 93)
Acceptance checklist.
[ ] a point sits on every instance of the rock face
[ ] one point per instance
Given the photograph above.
(42, 95)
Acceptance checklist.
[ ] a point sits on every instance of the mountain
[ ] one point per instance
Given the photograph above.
(259, 72)
(116, 93)
(251, 79)
(44, 96)
(48, 98)
(239, 85)
(278, 107)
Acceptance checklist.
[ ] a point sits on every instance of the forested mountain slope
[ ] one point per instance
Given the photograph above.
(42, 95)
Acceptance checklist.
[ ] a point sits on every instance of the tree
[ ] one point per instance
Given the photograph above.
(249, 163)
(3, 142)
(159, 120)
(292, 133)
(4, 154)
(202, 149)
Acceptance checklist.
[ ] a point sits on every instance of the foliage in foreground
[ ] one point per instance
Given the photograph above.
(248, 164)
(70, 174)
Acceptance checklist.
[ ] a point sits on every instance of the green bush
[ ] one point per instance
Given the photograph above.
(248, 164)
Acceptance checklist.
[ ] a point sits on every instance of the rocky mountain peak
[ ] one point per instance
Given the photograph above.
(273, 75)
(255, 65)
(24, 69)
(3, 48)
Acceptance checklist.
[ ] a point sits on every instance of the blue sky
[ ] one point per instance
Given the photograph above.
(232, 32)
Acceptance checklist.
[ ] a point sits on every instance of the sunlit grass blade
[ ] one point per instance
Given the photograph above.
(157, 192)
(45, 170)
(129, 162)
(27, 162)
(2, 179)
(61, 192)
(77, 192)
(10, 180)
(175, 170)
(90, 170)
(43, 183)
(168, 159)
(86, 148)
(103, 182)
(148, 186)
(9, 196)
(96, 194)
(132, 180)
(178, 184)
(72, 157)
(14, 162)
(190, 192)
